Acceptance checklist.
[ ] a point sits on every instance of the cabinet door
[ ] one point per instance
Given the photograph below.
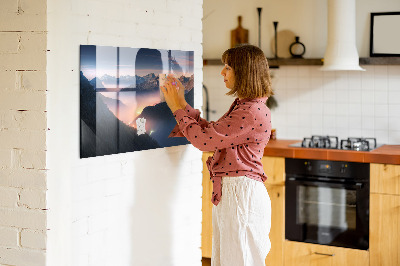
(277, 233)
(206, 232)
(274, 168)
(385, 178)
(304, 254)
(384, 230)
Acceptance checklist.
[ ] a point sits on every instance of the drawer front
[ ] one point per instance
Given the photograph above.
(297, 253)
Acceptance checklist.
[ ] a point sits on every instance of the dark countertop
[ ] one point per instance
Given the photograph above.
(389, 154)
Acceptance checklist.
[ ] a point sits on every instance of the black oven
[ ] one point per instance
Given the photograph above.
(327, 202)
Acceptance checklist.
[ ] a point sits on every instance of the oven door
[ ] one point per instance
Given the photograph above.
(327, 213)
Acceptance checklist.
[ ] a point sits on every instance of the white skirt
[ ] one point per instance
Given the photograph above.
(241, 223)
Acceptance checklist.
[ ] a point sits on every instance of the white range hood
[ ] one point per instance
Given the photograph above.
(341, 51)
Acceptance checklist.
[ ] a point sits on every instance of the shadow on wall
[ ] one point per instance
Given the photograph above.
(152, 212)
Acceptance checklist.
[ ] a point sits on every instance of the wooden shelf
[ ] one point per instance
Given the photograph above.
(295, 62)
(380, 61)
(273, 63)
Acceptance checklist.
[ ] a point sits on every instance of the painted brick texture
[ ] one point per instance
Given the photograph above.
(23, 132)
(139, 208)
(109, 195)
(33, 239)
(9, 237)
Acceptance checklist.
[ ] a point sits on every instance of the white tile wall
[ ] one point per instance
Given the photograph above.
(342, 103)
(313, 102)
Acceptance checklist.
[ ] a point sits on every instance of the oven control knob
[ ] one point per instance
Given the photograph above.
(308, 166)
(343, 168)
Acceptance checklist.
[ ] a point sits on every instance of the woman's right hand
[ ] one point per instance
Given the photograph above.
(181, 91)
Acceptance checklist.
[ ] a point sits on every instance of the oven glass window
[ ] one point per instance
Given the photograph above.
(326, 207)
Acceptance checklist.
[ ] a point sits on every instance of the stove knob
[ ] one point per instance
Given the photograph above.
(343, 168)
(308, 166)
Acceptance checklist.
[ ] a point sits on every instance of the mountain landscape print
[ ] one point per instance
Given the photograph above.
(122, 108)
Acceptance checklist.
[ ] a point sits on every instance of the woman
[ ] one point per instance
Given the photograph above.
(242, 208)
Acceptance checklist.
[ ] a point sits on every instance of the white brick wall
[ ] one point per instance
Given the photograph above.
(23, 132)
(139, 208)
(9, 237)
(33, 239)
(11, 256)
(9, 197)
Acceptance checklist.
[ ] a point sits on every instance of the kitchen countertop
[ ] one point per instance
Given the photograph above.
(389, 154)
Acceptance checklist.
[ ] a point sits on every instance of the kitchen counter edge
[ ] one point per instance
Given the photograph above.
(386, 154)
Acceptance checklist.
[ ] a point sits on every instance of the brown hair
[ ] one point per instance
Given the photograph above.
(250, 66)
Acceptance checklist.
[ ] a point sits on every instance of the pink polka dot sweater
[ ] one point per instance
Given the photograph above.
(238, 139)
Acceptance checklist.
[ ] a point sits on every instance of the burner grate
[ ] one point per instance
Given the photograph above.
(327, 142)
(332, 142)
(358, 144)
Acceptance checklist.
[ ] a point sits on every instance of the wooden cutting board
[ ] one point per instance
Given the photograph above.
(239, 35)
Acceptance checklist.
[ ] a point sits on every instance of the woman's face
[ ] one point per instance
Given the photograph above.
(229, 76)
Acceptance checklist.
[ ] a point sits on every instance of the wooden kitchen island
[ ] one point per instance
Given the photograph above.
(384, 247)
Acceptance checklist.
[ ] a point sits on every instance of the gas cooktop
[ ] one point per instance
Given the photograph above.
(332, 142)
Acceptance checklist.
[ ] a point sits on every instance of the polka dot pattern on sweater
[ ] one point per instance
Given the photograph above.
(238, 139)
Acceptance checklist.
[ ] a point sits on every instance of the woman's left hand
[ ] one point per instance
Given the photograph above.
(170, 90)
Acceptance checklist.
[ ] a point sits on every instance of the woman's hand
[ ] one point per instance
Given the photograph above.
(181, 91)
(174, 93)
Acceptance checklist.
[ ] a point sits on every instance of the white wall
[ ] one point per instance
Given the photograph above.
(306, 19)
(343, 104)
(23, 133)
(311, 102)
(139, 208)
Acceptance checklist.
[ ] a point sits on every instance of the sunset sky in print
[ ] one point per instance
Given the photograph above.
(99, 61)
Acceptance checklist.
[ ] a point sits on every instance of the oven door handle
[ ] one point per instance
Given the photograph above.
(357, 185)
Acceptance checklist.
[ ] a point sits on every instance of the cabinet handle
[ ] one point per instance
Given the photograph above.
(324, 254)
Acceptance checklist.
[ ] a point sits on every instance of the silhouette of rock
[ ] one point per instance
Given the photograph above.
(101, 132)
(163, 122)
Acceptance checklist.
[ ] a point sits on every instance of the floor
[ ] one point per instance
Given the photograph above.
(206, 261)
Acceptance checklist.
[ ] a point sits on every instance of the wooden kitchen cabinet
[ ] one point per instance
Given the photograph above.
(206, 225)
(385, 178)
(274, 168)
(277, 233)
(385, 215)
(305, 254)
(384, 236)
